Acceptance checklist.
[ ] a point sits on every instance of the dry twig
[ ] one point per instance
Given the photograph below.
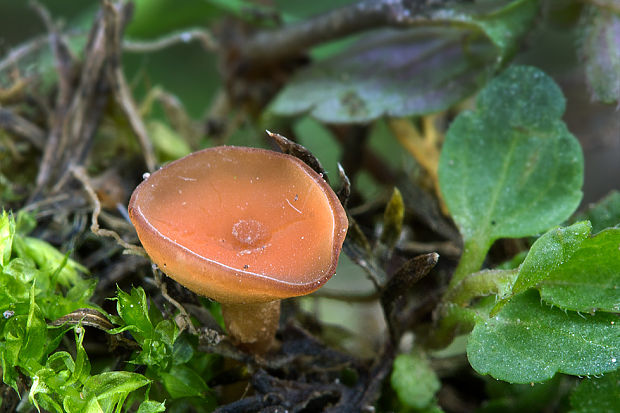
(19, 126)
(115, 16)
(80, 174)
(163, 289)
(203, 36)
(347, 20)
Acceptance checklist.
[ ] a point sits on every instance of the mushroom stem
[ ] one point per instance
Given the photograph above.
(252, 326)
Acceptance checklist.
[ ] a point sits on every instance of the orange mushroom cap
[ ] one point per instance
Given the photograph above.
(240, 225)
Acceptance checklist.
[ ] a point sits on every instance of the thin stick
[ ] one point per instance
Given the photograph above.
(113, 24)
(22, 127)
(163, 289)
(203, 36)
(354, 18)
(80, 174)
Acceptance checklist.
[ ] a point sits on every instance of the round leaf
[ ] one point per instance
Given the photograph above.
(511, 168)
(414, 381)
(529, 341)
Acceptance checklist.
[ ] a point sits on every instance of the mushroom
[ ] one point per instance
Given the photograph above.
(243, 226)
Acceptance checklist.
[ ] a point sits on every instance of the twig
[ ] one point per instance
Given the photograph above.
(19, 52)
(19, 126)
(220, 119)
(80, 174)
(163, 289)
(63, 58)
(369, 394)
(355, 18)
(203, 36)
(54, 148)
(176, 114)
(447, 248)
(114, 22)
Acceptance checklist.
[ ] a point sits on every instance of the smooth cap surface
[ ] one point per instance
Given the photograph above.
(240, 224)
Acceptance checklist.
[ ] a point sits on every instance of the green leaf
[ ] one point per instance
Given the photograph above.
(500, 166)
(410, 72)
(393, 219)
(15, 279)
(181, 381)
(59, 368)
(157, 352)
(47, 402)
(597, 395)
(549, 252)
(414, 380)
(151, 406)
(167, 332)
(35, 335)
(528, 341)
(112, 384)
(511, 168)
(49, 259)
(38, 390)
(7, 231)
(168, 144)
(590, 280)
(25, 223)
(134, 311)
(600, 36)
(24, 271)
(182, 351)
(81, 371)
(9, 351)
(604, 214)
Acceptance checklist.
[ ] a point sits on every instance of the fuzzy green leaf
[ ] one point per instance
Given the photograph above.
(511, 168)
(597, 395)
(528, 341)
(590, 280)
(549, 252)
(414, 381)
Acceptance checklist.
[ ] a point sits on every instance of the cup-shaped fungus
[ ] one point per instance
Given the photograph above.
(246, 227)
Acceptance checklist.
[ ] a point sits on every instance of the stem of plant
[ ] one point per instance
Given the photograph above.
(480, 283)
(455, 320)
(474, 253)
